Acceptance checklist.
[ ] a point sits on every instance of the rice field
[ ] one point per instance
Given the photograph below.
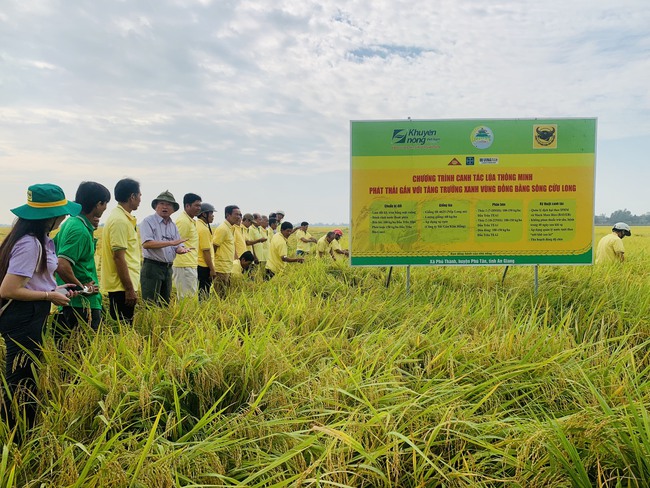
(325, 377)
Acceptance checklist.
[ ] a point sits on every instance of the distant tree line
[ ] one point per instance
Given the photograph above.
(622, 216)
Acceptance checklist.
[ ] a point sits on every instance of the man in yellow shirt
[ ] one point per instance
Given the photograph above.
(242, 266)
(259, 233)
(205, 269)
(278, 253)
(337, 251)
(121, 252)
(324, 245)
(251, 235)
(184, 269)
(223, 241)
(610, 248)
(304, 240)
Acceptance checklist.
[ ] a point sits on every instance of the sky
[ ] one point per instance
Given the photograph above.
(250, 102)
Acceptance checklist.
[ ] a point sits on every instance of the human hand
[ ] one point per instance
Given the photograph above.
(91, 288)
(130, 297)
(177, 242)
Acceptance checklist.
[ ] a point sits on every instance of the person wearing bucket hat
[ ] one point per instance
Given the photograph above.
(161, 241)
(28, 289)
(610, 248)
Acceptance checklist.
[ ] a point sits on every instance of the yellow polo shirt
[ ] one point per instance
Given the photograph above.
(224, 240)
(255, 233)
(278, 249)
(323, 247)
(247, 232)
(237, 270)
(120, 232)
(300, 245)
(187, 229)
(205, 241)
(607, 248)
(240, 242)
(336, 245)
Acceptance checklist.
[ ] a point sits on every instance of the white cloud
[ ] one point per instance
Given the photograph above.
(264, 90)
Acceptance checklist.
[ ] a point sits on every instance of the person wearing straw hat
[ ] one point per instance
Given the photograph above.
(28, 289)
(121, 252)
(610, 248)
(75, 248)
(161, 242)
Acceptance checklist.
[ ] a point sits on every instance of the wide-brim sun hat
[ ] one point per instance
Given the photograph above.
(46, 201)
(165, 196)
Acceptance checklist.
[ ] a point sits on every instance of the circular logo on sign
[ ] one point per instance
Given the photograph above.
(482, 137)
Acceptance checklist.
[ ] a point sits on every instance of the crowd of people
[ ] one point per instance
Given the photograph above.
(142, 262)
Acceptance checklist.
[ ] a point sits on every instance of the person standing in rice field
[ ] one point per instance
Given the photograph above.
(121, 252)
(185, 266)
(28, 290)
(206, 270)
(75, 248)
(161, 243)
(223, 241)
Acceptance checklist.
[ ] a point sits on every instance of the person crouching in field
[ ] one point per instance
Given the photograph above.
(122, 252)
(75, 248)
(610, 248)
(278, 253)
(324, 245)
(337, 252)
(28, 289)
(241, 267)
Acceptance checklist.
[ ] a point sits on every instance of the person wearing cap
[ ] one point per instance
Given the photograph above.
(279, 216)
(161, 242)
(185, 265)
(205, 270)
(324, 245)
(75, 248)
(121, 252)
(28, 290)
(337, 252)
(278, 254)
(610, 248)
(223, 241)
(304, 239)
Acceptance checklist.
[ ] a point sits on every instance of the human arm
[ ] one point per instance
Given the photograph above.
(161, 244)
(207, 256)
(287, 259)
(66, 273)
(13, 287)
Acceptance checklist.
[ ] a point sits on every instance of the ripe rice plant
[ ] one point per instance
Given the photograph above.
(326, 377)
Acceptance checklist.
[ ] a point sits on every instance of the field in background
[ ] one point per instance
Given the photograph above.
(325, 377)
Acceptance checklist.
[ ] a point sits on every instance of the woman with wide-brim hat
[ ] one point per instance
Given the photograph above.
(28, 289)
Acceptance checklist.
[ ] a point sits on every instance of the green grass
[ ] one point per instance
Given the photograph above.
(325, 377)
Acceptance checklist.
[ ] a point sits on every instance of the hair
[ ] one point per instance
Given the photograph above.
(273, 215)
(286, 225)
(247, 256)
(303, 224)
(190, 198)
(22, 227)
(257, 216)
(89, 194)
(230, 209)
(331, 233)
(125, 188)
(272, 220)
